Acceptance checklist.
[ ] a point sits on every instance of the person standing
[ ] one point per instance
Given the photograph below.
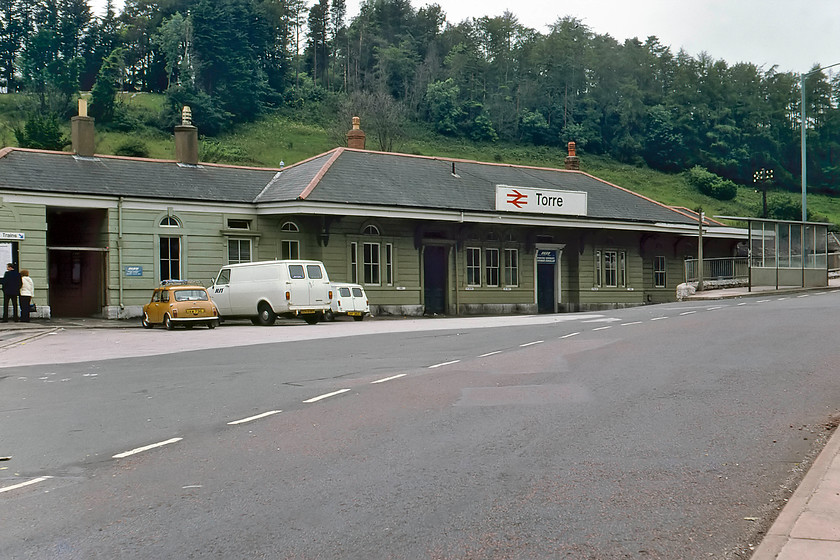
(11, 291)
(27, 290)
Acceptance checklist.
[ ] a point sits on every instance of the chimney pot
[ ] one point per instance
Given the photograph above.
(356, 136)
(572, 162)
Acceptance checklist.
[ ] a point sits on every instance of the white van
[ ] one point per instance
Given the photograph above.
(262, 291)
(348, 299)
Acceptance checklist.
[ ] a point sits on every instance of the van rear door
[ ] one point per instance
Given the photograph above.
(319, 284)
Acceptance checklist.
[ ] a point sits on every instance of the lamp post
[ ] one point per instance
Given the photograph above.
(803, 128)
(763, 176)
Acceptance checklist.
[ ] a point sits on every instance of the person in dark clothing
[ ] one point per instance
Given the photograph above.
(11, 291)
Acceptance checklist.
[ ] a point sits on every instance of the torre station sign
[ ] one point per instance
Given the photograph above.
(540, 201)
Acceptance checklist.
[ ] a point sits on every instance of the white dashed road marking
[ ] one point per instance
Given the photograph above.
(531, 343)
(444, 364)
(328, 395)
(687, 312)
(22, 484)
(146, 448)
(252, 418)
(390, 378)
(631, 323)
(570, 335)
(490, 354)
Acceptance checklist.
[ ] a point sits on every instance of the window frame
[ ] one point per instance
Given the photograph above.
(491, 267)
(372, 263)
(473, 266)
(239, 241)
(167, 263)
(660, 269)
(511, 267)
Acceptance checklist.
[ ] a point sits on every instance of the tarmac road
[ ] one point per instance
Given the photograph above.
(671, 431)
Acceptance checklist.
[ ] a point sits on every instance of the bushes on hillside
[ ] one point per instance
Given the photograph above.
(710, 184)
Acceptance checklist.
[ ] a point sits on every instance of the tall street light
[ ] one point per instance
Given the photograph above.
(762, 177)
(803, 127)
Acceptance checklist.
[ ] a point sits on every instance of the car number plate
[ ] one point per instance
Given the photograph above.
(195, 311)
(354, 313)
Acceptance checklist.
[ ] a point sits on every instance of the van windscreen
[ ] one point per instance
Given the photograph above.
(314, 271)
(296, 271)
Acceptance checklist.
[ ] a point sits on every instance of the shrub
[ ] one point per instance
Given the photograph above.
(710, 184)
(132, 148)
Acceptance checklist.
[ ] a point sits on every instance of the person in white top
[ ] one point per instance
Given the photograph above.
(27, 290)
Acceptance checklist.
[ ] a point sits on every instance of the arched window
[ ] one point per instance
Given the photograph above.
(170, 222)
(290, 227)
(370, 230)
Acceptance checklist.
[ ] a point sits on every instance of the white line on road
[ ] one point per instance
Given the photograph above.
(257, 417)
(782, 299)
(146, 448)
(444, 364)
(631, 323)
(602, 328)
(742, 303)
(763, 301)
(658, 318)
(570, 335)
(531, 343)
(22, 484)
(687, 312)
(803, 295)
(390, 378)
(328, 395)
(715, 307)
(490, 353)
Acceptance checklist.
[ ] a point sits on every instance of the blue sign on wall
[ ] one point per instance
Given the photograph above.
(134, 271)
(546, 256)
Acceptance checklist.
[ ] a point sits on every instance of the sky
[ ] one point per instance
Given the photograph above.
(793, 35)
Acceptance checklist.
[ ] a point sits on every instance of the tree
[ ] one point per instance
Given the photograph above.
(14, 27)
(104, 93)
(42, 132)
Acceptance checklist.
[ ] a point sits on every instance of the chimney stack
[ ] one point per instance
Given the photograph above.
(82, 132)
(356, 136)
(186, 139)
(572, 161)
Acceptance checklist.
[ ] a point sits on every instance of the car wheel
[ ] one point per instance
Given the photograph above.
(329, 316)
(167, 322)
(359, 318)
(212, 324)
(145, 322)
(311, 319)
(266, 316)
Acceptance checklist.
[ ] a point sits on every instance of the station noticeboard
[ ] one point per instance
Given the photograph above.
(546, 256)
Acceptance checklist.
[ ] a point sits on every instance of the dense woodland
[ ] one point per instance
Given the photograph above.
(484, 79)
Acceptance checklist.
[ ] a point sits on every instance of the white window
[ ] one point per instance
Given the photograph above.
(511, 267)
(473, 266)
(610, 269)
(170, 258)
(622, 269)
(599, 275)
(239, 224)
(170, 222)
(389, 264)
(290, 227)
(659, 277)
(289, 249)
(491, 266)
(239, 251)
(371, 263)
(354, 262)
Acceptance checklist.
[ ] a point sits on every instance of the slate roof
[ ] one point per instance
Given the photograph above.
(64, 173)
(340, 176)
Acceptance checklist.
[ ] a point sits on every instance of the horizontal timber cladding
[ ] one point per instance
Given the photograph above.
(610, 271)
(30, 220)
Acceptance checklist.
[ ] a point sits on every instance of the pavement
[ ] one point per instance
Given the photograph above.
(808, 527)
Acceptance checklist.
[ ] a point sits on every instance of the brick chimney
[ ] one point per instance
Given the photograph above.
(356, 136)
(572, 161)
(82, 132)
(186, 139)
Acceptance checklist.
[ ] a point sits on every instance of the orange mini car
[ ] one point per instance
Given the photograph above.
(180, 303)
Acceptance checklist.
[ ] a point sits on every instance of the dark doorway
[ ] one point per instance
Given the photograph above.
(545, 288)
(434, 279)
(76, 260)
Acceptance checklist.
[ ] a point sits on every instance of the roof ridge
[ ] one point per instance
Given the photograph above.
(321, 172)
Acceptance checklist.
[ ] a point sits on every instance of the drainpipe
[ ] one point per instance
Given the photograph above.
(457, 282)
(119, 250)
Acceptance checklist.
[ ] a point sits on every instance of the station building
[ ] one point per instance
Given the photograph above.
(424, 235)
